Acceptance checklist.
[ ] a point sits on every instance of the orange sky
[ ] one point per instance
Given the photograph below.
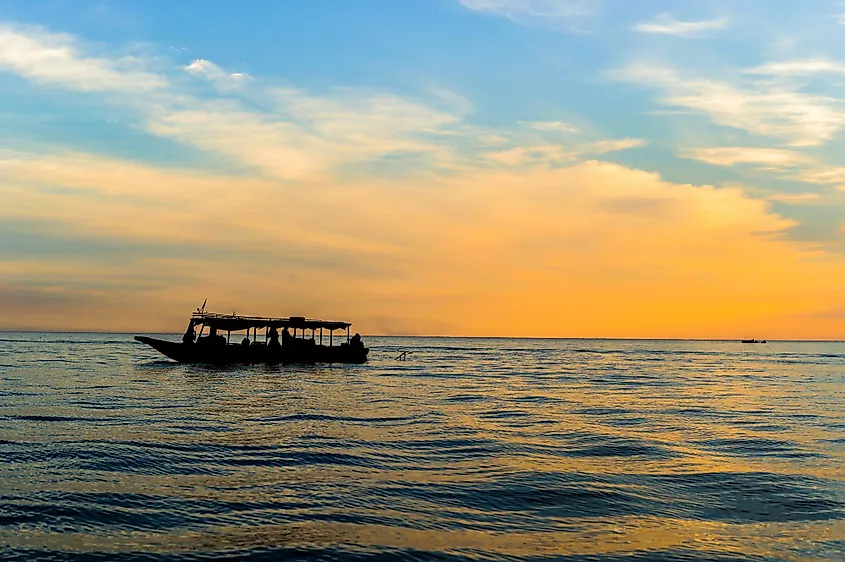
(643, 195)
(590, 250)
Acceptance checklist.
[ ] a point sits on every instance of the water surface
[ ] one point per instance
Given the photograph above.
(473, 449)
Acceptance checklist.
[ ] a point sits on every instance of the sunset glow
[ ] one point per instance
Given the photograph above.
(456, 167)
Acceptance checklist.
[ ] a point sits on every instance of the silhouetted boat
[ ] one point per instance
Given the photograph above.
(217, 349)
(753, 341)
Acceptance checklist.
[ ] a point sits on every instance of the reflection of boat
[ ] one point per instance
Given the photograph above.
(265, 347)
(753, 341)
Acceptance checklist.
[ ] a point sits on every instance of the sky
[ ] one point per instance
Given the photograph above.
(548, 168)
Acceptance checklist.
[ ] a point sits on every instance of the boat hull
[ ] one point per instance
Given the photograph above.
(228, 354)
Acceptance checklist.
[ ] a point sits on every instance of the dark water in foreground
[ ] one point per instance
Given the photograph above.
(473, 449)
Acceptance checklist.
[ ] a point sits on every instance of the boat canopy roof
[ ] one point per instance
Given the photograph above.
(233, 322)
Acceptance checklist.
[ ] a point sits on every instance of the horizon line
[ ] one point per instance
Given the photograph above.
(433, 336)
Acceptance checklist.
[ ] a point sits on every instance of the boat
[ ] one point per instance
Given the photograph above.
(266, 340)
(753, 341)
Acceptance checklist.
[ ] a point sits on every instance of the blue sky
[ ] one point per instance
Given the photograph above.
(309, 100)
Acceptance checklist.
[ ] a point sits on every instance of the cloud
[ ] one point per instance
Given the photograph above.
(492, 139)
(798, 68)
(551, 126)
(53, 58)
(587, 249)
(733, 155)
(305, 135)
(223, 80)
(531, 154)
(536, 12)
(109, 197)
(821, 174)
(666, 24)
(577, 248)
(556, 154)
(611, 145)
(278, 147)
(801, 167)
(795, 198)
(288, 133)
(765, 108)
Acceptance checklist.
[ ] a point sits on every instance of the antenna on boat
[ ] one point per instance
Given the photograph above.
(201, 310)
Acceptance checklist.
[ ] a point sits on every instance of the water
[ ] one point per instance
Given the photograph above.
(473, 449)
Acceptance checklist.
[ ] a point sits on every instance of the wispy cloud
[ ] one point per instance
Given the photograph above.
(55, 58)
(798, 68)
(297, 135)
(761, 108)
(223, 80)
(536, 12)
(551, 126)
(784, 164)
(666, 24)
(492, 138)
(733, 155)
(612, 145)
(306, 135)
(291, 133)
(821, 174)
(557, 154)
(795, 198)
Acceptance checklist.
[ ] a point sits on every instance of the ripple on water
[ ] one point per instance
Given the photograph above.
(500, 449)
(745, 497)
(757, 446)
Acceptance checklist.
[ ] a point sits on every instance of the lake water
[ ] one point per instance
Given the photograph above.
(473, 449)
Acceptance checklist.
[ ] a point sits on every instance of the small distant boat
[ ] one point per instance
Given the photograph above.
(265, 344)
(754, 341)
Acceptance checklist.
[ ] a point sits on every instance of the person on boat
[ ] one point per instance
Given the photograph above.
(214, 339)
(274, 338)
(245, 342)
(356, 340)
(189, 336)
(286, 337)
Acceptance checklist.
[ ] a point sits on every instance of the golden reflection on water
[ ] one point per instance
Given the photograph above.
(590, 538)
(333, 441)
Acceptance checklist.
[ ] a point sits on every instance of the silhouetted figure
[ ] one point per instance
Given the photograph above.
(287, 339)
(356, 341)
(214, 339)
(274, 338)
(189, 336)
(245, 342)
